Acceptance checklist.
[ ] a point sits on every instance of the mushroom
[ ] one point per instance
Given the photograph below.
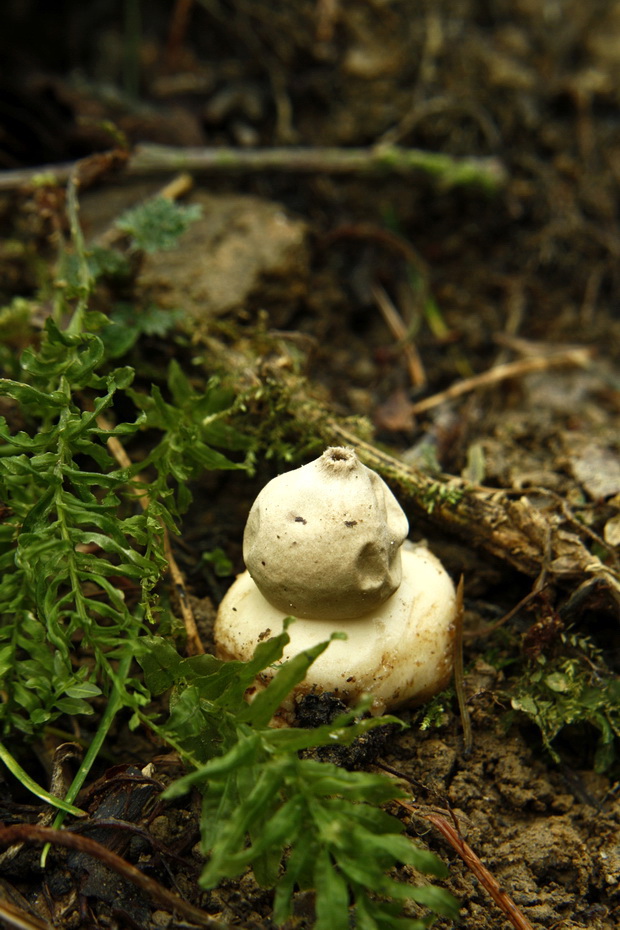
(326, 543)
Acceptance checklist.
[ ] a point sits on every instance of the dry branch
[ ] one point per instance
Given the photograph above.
(488, 881)
(194, 643)
(526, 366)
(148, 159)
(32, 833)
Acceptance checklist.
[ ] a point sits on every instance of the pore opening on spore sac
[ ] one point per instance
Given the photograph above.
(338, 459)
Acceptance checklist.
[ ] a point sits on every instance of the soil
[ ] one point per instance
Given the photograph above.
(480, 277)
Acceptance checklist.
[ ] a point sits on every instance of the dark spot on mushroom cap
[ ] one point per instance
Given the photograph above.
(350, 522)
(300, 520)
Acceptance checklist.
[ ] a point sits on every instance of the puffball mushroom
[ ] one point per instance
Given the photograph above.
(323, 542)
(326, 543)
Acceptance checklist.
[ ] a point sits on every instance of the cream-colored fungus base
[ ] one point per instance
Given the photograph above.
(401, 652)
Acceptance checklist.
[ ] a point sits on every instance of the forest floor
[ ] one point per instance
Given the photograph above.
(375, 291)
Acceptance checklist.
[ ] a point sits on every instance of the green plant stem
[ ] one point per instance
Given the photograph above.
(65, 459)
(114, 704)
(166, 737)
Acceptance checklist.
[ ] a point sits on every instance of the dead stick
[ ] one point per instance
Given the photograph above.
(487, 630)
(459, 674)
(571, 358)
(148, 159)
(448, 170)
(14, 916)
(396, 325)
(473, 863)
(194, 643)
(31, 833)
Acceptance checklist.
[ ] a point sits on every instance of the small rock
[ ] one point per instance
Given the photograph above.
(243, 254)
(596, 467)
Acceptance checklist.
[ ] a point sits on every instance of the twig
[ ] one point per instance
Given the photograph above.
(14, 916)
(194, 643)
(468, 739)
(178, 187)
(569, 359)
(471, 860)
(538, 586)
(398, 329)
(449, 171)
(31, 833)
(149, 159)
(385, 237)
(533, 347)
(487, 630)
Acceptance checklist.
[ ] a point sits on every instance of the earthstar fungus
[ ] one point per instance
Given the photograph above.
(326, 543)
